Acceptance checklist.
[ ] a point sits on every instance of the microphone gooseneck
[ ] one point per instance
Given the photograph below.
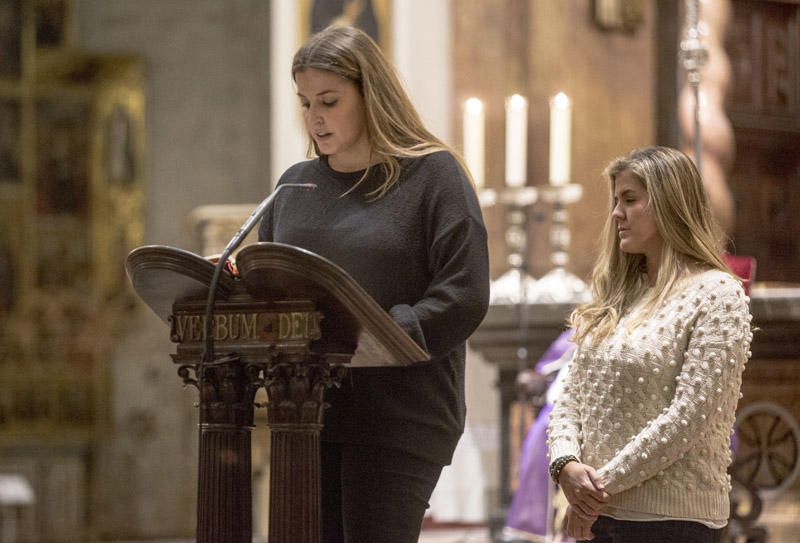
(258, 213)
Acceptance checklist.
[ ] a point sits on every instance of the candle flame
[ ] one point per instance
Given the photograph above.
(473, 105)
(517, 102)
(561, 101)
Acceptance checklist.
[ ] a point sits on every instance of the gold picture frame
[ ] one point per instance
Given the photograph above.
(52, 23)
(10, 39)
(10, 137)
(371, 16)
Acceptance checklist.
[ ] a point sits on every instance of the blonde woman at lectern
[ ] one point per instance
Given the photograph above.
(396, 209)
(639, 440)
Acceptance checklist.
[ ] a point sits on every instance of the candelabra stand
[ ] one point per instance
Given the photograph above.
(694, 55)
(512, 287)
(558, 285)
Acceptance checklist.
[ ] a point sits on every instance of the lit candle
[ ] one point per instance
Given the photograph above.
(474, 118)
(560, 123)
(516, 140)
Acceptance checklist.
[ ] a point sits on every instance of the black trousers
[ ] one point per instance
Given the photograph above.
(610, 530)
(373, 494)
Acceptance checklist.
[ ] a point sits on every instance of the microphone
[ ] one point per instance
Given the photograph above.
(208, 354)
(256, 216)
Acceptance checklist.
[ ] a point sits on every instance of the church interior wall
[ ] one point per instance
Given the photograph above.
(217, 101)
(207, 94)
(207, 103)
(538, 49)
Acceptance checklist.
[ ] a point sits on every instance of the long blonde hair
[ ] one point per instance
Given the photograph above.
(394, 127)
(692, 239)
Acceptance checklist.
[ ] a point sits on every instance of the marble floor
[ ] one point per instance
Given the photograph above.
(438, 535)
(435, 535)
(780, 516)
(455, 535)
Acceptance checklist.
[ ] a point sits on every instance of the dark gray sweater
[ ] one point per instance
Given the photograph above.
(421, 252)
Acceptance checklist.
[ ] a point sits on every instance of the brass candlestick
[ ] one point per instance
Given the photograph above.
(513, 286)
(558, 285)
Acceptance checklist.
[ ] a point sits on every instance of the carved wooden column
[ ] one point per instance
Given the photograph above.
(294, 415)
(224, 501)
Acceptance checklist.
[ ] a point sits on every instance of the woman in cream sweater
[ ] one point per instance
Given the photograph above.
(639, 440)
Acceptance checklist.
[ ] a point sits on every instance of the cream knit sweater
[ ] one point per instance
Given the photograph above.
(652, 409)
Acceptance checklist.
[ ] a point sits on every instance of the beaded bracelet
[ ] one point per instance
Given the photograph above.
(558, 464)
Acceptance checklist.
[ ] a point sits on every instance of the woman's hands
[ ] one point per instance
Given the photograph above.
(576, 527)
(586, 496)
(583, 489)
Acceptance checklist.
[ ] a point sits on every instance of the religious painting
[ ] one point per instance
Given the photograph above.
(618, 15)
(10, 141)
(121, 124)
(7, 279)
(76, 405)
(63, 253)
(763, 45)
(11, 247)
(10, 39)
(62, 192)
(62, 151)
(371, 16)
(120, 154)
(51, 23)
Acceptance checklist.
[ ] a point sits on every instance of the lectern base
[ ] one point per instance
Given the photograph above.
(292, 320)
(294, 414)
(294, 509)
(224, 503)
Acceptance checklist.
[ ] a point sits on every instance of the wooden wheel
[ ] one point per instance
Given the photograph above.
(768, 454)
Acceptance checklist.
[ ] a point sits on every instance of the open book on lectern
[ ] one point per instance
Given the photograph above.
(258, 307)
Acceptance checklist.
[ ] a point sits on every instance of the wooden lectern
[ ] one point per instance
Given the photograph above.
(291, 322)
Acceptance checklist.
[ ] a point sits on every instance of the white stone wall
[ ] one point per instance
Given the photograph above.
(207, 99)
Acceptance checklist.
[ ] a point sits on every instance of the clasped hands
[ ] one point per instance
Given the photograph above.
(586, 496)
